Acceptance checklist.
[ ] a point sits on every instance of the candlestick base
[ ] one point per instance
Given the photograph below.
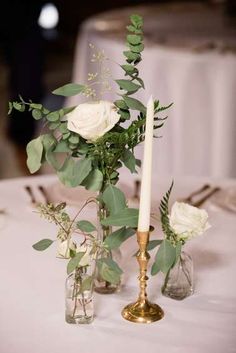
(142, 311)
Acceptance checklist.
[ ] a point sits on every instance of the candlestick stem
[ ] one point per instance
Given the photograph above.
(142, 311)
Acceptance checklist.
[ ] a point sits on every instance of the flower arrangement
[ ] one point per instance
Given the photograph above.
(93, 145)
(182, 224)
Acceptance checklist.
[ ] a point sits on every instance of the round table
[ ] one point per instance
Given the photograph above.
(32, 285)
(190, 60)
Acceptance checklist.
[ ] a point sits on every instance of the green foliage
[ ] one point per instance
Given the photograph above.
(87, 284)
(70, 89)
(164, 210)
(42, 244)
(170, 249)
(94, 180)
(34, 152)
(73, 172)
(126, 217)
(74, 262)
(115, 239)
(106, 155)
(165, 258)
(114, 199)
(128, 86)
(152, 244)
(86, 226)
(134, 104)
(109, 270)
(129, 160)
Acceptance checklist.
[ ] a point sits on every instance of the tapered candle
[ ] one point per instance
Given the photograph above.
(145, 193)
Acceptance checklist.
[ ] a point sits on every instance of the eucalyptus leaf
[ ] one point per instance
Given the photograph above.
(134, 39)
(42, 244)
(125, 114)
(126, 217)
(74, 139)
(72, 173)
(114, 199)
(37, 114)
(93, 181)
(165, 257)
(152, 244)
(86, 226)
(86, 284)
(135, 104)
(62, 146)
(109, 270)
(34, 151)
(136, 48)
(115, 239)
(131, 56)
(74, 262)
(36, 106)
(53, 116)
(178, 248)
(66, 135)
(134, 29)
(129, 69)
(136, 21)
(129, 160)
(128, 85)
(71, 89)
(19, 106)
(63, 128)
(121, 104)
(54, 126)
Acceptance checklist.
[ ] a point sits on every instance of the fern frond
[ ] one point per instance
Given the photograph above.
(164, 210)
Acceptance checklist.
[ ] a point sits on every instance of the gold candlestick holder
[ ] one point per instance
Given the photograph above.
(142, 311)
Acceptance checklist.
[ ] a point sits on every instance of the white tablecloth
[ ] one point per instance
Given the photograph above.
(32, 288)
(199, 137)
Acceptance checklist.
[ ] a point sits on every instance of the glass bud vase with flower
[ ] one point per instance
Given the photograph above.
(182, 224)
(178, 283)
(79, 295)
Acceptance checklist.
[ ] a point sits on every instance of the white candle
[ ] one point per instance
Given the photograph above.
(145, 193)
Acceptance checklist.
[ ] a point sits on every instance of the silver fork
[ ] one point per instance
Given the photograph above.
(44, 193)
(206, 197)
(29, 191)
(188, 199)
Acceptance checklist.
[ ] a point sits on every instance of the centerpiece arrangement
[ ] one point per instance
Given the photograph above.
(87, 145)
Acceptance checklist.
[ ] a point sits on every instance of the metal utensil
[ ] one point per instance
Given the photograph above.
(206, 197)
(29, 191)
(137, 185)
(44, 193)
(188, 199)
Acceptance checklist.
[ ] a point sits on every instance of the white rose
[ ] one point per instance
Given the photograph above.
(92, 120)
(64, 247)
(188, 221)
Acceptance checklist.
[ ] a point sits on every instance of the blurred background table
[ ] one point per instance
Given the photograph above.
(189, 60)
(32, 284)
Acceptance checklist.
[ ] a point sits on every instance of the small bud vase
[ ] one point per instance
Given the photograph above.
(79, 296)
(178, 282)
(100, 285)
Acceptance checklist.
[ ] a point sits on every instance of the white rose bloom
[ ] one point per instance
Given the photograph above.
(188, 221)
(64, 247)
(92, 120)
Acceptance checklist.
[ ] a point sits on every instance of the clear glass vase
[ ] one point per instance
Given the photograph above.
(100, 285)
(79, 296)
(178, 283)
